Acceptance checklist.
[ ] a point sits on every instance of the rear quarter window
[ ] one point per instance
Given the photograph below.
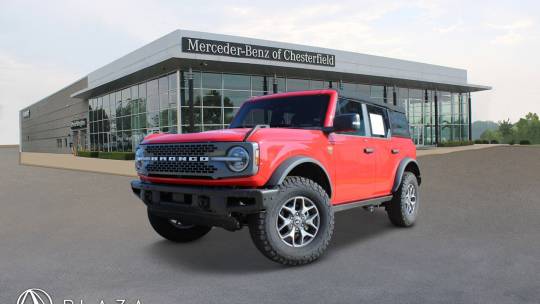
(399, 124)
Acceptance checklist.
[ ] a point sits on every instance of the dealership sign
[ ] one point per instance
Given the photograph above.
(244, 50)
(78, 124)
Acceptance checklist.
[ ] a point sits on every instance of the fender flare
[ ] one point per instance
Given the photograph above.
(289, 164)
(401, 169)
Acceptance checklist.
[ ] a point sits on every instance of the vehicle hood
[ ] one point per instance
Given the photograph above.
(236, 135)
(207, 136)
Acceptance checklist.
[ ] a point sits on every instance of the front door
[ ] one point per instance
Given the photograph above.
(354, 162)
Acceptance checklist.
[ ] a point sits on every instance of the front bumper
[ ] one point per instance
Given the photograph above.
(210, 206)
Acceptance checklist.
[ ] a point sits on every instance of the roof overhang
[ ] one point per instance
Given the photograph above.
(174, 64)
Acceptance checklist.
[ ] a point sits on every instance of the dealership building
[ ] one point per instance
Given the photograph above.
(192, 81)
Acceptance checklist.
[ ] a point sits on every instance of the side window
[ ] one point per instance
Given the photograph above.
(378, 121)
(346, 106)
(399, 124)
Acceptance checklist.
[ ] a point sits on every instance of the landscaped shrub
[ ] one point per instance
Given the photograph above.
(495, 142)
(524, 142)
(117, 155)
(455, 143)
(512, 142)
(87, 153)
(478, 141)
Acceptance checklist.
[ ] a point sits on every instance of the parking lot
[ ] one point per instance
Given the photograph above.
(84, 236)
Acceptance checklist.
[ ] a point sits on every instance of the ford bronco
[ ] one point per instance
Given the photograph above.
(286, 163)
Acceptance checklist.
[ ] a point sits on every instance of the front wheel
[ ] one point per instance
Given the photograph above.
(174, 230)
(296, 229)
(403, 208)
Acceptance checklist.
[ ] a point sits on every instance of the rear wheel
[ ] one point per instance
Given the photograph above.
(296, 229)
(403, 208)
(174, 230)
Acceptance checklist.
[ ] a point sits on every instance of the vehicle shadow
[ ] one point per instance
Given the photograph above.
(222, 251)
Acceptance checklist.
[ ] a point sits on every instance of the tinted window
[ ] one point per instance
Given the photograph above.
(347, 106)
(378, 121)
(399, 124)
(286, 112)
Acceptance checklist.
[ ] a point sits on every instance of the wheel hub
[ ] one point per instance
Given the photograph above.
(298, 221)
(410, 199)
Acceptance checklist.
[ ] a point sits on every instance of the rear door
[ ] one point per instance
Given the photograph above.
(381, 145)
(354, 163)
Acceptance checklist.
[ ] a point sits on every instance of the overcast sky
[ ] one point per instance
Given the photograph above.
(45, 45)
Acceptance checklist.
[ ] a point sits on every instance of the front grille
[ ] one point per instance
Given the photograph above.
(180, 168)
(164, 167)
(180, 149)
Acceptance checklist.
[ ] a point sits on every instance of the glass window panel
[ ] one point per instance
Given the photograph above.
(172, 81)
(152, 88)
(126, 94)
(280, 84)
(234, 98)
(128, 147)
(173, 115)
(152, 120)
(186, 129)
(163, 101)
(236, 82)
(229, 114)
(172, 99)
(142, 105)
(416, 94)
(164, 118)
(212, 98)
(152, 104)
(212, 116)
(106, 107)
(377, 91)
(317, 84)
(196, 115)
(211, 81)
(142, 89)
(184, 79)
(210, 128)
(184, 98)
(126, 123)
(135, 92)
(142, 120)
(119, 142)
(261, 83)
(163, 84)
(297, 84)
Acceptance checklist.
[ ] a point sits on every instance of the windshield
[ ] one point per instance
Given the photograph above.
(304, 112)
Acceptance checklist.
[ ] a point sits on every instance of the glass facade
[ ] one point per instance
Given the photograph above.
(120, 119)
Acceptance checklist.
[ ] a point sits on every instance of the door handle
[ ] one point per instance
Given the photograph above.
(395, 151)
(369, 150)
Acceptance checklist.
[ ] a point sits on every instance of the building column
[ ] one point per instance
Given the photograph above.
(275, 85)
(394, 96)
(385, 94)
(265, 85)
(178, 103)
(436, 101)
(191, 102)
(470, 116)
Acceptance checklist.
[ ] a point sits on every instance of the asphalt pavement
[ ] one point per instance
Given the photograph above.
(84, 236)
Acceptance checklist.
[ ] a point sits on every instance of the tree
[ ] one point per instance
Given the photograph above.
(506, 130)
(528, 128)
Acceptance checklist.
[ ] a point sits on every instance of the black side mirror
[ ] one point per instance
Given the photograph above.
(347, 123)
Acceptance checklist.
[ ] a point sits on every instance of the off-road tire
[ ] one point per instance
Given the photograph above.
(397, 207)
(266, 237)
(164, 227)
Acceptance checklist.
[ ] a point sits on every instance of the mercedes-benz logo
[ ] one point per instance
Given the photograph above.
(34, 296)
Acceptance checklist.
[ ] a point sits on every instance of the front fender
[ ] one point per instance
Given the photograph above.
(289, 164)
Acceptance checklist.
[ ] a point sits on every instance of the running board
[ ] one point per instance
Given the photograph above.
(369, 202)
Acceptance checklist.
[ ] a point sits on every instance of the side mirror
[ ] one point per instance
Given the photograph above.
(347, 123)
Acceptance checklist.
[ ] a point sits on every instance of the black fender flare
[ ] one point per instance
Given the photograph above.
(289, 164)
(401, 169)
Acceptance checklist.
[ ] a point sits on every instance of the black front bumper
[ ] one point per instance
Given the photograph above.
(209, 206)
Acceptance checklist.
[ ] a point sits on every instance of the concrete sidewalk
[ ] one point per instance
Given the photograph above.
(70, 162)
(127, 168)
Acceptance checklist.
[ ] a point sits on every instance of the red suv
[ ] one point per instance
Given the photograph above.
(286, 163)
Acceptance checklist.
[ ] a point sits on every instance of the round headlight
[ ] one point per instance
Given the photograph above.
(241, 159)
(139, 157)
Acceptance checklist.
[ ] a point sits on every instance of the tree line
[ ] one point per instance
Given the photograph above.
(525, 131)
